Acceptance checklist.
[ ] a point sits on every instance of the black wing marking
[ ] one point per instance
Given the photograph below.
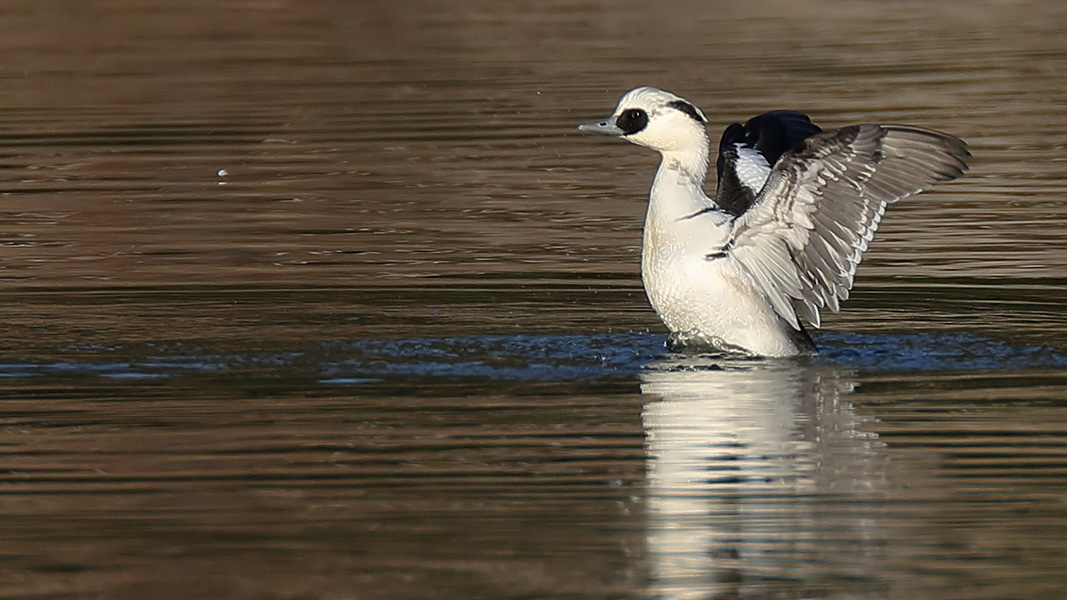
(770, 135)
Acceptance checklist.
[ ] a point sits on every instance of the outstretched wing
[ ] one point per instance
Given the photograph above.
(807, 229)
(747, 153)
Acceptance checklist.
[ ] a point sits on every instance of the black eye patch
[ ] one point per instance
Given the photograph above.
(632, 120)
(688, 109)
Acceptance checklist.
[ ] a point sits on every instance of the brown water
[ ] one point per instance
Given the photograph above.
(330, 300)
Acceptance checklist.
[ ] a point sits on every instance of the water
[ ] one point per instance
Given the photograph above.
(330, 300)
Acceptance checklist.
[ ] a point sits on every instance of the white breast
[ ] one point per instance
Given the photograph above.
(707, 299)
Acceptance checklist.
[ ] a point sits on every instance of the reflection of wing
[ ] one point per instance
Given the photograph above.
(747, 152)
(806, 231)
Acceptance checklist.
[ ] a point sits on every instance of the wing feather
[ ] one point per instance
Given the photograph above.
(806, 231)
(747, 153)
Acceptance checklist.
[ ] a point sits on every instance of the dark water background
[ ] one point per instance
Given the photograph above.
(330, 300)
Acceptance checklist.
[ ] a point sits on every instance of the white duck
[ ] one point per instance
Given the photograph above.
(793, 213)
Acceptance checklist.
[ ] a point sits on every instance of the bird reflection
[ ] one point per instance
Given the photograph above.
(757, 472)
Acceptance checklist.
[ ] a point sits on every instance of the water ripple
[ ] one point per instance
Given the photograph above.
(597, 357)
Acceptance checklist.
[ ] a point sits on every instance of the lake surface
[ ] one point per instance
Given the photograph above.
(330, 300)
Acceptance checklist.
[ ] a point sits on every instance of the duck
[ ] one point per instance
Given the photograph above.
(795, 208)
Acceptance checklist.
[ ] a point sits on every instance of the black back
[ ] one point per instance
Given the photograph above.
(771, 134)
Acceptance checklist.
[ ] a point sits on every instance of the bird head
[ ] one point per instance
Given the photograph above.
(656, 119)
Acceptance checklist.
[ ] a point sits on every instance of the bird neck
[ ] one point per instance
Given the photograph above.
(678, 189)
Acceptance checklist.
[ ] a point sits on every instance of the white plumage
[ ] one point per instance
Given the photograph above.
(795, 209)
(751, 166)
